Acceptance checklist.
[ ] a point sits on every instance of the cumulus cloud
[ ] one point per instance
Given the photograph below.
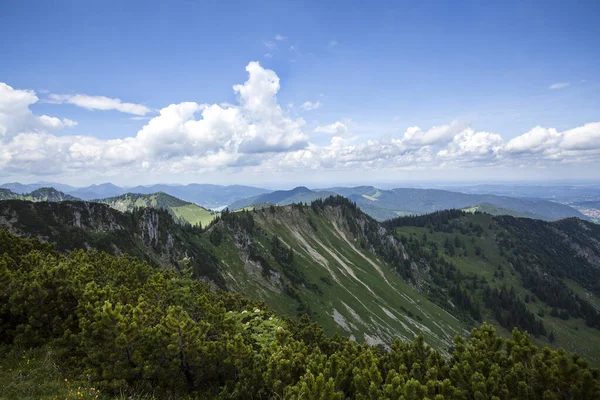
(280, 37)
(256, 134)
(99, 103)
(15, 115)
(337, 128)
(183, 137)
(559, 85)
(414, 136)
(309, 105)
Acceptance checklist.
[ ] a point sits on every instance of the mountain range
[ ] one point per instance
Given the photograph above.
(41, 194)
(378, 203)
(205, 195)
(386, 204)
(439, 274)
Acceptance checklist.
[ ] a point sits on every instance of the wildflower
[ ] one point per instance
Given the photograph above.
(257, 310)
(244, 312)
(270, 318)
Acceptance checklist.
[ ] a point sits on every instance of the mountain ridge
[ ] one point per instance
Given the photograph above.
(439, 274)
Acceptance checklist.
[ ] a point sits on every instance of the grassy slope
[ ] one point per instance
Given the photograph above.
(495, 210)
(189, 212)
(572, 334)
(369, 301)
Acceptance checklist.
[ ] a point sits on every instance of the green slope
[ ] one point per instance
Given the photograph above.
(540, 261)
(438, 274)
(495, 210)
(344, 287)
(180, 209)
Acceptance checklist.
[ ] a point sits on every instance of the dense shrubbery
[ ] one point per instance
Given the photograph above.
(129, 327)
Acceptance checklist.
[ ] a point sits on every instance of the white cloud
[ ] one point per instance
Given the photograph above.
(333, 43)
(99, 103)
(438, 134)
(280, 37)
(559, 85)
(183, 137)
(15, 115)
(258, 136)
(268, 55)
(583, 138)
(309, 105)
(337, 128)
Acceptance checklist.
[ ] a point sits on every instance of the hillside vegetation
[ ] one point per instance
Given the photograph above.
(439, 274)
(91, 325)
(181, 210)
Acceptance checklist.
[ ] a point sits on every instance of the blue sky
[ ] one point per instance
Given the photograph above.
(374, 68)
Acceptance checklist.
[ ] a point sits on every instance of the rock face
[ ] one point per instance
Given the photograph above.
(147, 233)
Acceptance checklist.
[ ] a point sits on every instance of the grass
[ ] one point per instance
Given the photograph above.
(194, 214)
(33, 374)
(374, 306)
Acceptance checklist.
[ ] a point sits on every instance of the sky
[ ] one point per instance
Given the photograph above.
(279, 93)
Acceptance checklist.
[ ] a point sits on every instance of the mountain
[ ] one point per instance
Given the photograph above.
(208, 196)
(179, 209)
(41, 194)
(385, 204)
(98, 191)
(114, 325)
(205, 195)
(19, 188)
(559, 193)
(297, 195)
(440, 274)
(149, 234)
(516, 271)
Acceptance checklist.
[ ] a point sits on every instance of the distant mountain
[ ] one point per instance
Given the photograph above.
(297, 195)
(98, 191)
(179, 209)
(558, 193)
(205, 195)
(385, 204)
(41, 194)
(19, 188)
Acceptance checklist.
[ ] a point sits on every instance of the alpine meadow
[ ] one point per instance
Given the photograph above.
(299, 200)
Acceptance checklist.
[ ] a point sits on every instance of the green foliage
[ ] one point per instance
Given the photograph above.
(132, 328)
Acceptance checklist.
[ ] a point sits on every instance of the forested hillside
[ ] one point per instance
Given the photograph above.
(539, 276)
(439, 274)
(91, 325)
